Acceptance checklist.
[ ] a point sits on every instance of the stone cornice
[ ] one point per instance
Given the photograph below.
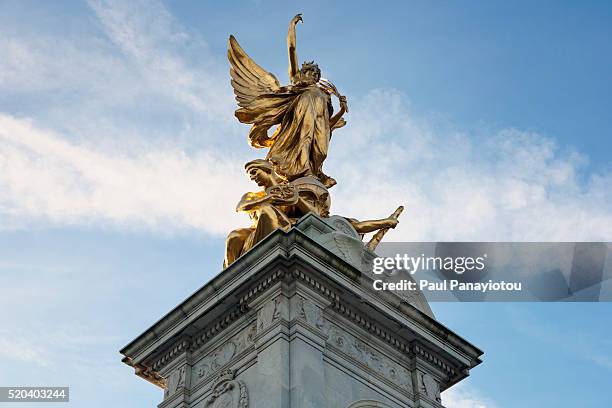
(294, 256)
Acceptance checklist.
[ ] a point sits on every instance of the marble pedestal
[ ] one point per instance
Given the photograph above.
(294, 323)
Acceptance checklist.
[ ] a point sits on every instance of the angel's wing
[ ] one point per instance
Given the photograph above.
(249, 80)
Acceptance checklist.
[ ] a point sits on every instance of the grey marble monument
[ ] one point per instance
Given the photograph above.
(295, 322)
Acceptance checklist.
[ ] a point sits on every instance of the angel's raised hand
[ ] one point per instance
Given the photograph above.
(343, 102)
(297, 18)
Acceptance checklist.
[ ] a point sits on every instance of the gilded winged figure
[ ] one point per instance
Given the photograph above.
(291, 179)
(302, 111)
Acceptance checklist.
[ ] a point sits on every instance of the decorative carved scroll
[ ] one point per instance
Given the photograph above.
(228, 392)
(224, 353)
(268, 314)
(430, 387)
(175, 381)
(309, 312)
(371, 358)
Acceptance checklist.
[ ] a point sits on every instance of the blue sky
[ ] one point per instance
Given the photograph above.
(121, 163)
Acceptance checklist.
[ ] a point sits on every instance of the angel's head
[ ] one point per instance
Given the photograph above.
(262, 173)
(309, 74)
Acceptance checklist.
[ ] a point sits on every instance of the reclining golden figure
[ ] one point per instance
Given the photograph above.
(280, 204)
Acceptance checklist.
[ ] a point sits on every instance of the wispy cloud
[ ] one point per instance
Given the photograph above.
(464, 396)
(148, 35)
(123, 132)
(144, 137)
(47, 179)
(502, 184)
(134, 77)
(22, 350)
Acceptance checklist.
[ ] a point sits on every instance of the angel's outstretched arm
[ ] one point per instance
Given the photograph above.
(291, 47)
(343, 109)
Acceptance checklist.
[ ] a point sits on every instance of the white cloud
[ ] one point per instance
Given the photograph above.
(40, 64)
(47, 179)
(507, 185)
(23, 350)
(148, 35)
(463, 396)
(134, 77)
(122, 128)
(145, 137)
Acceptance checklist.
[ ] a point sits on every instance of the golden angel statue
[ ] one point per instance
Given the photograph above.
(302, 111)
(291, 179)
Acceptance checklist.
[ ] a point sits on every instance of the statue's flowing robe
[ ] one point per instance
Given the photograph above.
(299, 146)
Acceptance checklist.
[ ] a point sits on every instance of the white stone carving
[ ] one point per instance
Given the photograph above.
(268, 314)
(228, 392)
(223, 354)
(175, 381)
(430, 387)
(309, 312)
(342, 225)
(370, 357)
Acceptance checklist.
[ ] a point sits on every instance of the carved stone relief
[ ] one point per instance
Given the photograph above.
(268, 314)
(342, 225)
(228, 392)
(175, 381)
(430, 387)
(224, 353)
(350, 249)
(309, 312)
(370, 357)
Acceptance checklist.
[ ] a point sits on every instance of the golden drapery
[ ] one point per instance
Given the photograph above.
(299, 146)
